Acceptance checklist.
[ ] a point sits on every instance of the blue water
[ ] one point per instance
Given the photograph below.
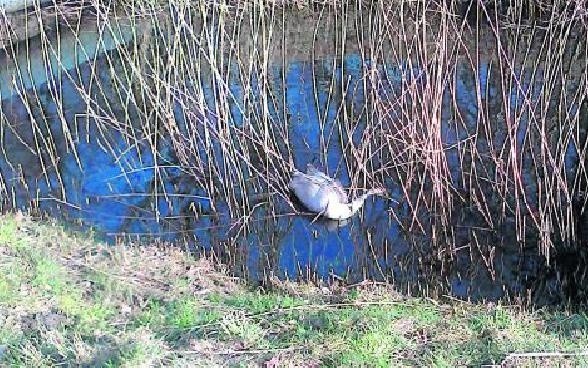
(103, 178)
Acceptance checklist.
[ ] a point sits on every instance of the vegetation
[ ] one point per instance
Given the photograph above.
(200, 88)
(66, 299)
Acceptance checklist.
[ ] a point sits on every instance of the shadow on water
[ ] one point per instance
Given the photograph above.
(82, 154)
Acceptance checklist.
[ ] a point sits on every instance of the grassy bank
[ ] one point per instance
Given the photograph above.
(65, 299)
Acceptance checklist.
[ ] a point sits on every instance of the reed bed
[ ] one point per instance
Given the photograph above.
(202, 88)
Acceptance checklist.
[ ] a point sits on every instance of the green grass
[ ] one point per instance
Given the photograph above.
(256, 302)
(66, 299)
(8, 231)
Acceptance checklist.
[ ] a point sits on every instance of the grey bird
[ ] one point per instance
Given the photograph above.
(324, 195)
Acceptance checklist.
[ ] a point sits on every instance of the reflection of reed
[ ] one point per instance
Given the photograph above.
(473, 122)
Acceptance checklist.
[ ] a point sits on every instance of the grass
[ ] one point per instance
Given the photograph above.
(68, 300)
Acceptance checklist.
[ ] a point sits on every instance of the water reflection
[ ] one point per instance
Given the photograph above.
(101, 169)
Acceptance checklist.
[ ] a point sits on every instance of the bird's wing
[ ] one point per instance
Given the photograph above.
(308, 191)
(313, 171)
(325, 180)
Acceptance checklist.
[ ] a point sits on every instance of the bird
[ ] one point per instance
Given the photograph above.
(324, 195)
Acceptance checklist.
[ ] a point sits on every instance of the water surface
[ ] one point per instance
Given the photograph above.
(81, 142)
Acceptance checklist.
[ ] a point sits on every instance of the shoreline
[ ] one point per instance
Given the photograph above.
(67, 299)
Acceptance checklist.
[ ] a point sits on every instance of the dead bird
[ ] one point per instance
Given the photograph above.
(324, 195)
